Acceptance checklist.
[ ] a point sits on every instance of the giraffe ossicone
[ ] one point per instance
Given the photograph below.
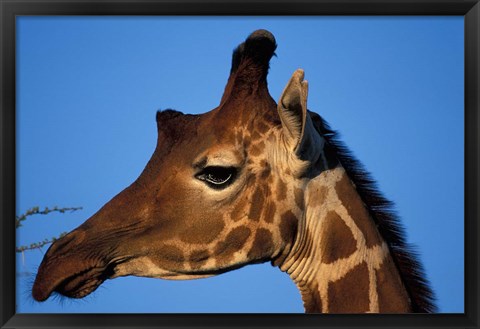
(250, 181)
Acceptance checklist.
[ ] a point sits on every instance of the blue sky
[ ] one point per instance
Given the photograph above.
(88, 90)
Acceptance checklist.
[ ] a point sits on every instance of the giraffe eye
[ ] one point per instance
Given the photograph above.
(217, 177)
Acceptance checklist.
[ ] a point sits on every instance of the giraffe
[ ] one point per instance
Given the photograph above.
(250, 181)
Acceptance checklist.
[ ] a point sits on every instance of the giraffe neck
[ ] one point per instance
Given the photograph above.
(340, 262)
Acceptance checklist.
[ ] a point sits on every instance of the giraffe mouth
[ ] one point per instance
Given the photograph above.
(83, 283)
(76, 284)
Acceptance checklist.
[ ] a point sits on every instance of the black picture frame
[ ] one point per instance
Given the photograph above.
(11, 8)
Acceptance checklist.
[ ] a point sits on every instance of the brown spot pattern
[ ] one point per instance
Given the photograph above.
(257, 149)
(256, 135)
(288, 226)
(257, 204)
(262, 245)
(246, 141)
(169, 257)
(298, 193)
(337, 239)
(392, 297)
(265, 173)
(281, 190)
(234, 241)
(351, 200)
(203, 231)
(318, 197)
(198, 258)
(269, 213)
(240, 209)
(262, 127)
(355, 285)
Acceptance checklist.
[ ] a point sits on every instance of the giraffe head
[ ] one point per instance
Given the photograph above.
(221, 190)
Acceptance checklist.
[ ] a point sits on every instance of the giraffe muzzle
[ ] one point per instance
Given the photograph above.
(69, 271)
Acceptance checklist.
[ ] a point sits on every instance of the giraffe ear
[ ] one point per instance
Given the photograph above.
(300, 134)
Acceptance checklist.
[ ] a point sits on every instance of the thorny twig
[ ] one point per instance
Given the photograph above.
(37, 211)
(38, 245)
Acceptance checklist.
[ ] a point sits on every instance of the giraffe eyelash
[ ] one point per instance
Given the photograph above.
(217, 177)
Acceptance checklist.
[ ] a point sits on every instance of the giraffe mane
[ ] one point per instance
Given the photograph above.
(382, 211)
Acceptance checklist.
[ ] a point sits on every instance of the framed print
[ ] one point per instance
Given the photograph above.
(266, 160)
